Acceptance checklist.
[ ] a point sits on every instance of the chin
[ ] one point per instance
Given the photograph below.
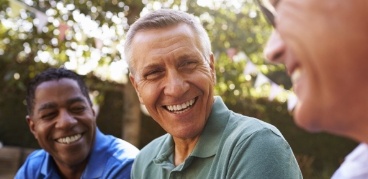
(306, 121)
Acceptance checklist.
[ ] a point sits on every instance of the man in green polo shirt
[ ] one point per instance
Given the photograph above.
(172, 69)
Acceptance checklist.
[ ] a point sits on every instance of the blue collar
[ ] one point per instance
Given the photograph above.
(95, 165)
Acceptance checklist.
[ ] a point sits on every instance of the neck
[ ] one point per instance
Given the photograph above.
(70, 172)
(183, 148)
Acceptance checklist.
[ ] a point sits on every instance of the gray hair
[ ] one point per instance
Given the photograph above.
(164, 18)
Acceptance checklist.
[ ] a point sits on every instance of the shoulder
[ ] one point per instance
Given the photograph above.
(255, 144)
(245, 126)
(123, 149)
(118, 149)
(150, 152)
(154, 147)
(32, 165)
(255, 136)
(36, 157)
(115, 155)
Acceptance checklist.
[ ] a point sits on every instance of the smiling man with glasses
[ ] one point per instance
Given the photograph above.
(324, 46)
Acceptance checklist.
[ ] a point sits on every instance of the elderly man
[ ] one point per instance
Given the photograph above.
(172, 69)
(61, 117)
(323, 45)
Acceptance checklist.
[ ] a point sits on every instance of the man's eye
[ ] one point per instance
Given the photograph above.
(189, 65)
(78, 109)
(48, 116)
(153, 74)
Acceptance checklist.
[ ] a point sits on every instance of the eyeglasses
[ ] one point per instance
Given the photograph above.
(268, 9)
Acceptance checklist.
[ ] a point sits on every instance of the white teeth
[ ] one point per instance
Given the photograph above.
(295, 75)
(69, 139)
(180, 107)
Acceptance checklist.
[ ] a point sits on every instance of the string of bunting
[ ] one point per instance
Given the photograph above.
(250, 68)
(275, 89)
(41, 17)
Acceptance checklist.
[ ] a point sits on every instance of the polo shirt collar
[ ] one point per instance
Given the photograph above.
(48, 168)
(95, 165)
(207, 145)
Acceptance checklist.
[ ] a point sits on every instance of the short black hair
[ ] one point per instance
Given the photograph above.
(52, 74)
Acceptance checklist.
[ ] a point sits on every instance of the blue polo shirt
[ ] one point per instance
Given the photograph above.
(110, 157)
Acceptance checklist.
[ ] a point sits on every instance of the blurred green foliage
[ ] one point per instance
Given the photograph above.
(232, 28)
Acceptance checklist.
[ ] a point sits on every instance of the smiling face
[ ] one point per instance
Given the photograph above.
(173, 79)
(323, 45)
(63, 122)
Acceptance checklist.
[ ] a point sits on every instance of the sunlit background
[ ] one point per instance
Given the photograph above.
(87, 37)
(72, 29)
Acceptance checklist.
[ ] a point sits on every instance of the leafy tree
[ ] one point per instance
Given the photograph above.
(82, 35)
(91, 46)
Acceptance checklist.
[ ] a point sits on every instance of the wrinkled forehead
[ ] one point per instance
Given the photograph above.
(160, 41)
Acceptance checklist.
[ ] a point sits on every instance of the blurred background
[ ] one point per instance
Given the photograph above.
(87, 37)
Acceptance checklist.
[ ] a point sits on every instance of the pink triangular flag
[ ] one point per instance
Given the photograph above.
(62, 28)
(98, 43)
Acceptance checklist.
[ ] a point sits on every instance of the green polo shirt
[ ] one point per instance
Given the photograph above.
(230, 146)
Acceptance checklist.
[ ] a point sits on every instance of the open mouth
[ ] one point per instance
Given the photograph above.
(179, 108)
(69, 139)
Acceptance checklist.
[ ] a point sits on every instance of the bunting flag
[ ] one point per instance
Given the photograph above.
(274, 91)
(15, 8)
(114, 49)
(42, 20)
(98, 43)
(250, 68)
(41, 17)
(292, 101)
(260, 80)
(62, 29)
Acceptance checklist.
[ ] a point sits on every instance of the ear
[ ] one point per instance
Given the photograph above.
(135, 85)
(212, 66)
(31, 125)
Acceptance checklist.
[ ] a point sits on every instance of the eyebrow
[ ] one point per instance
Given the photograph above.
(45, 106)
(52, 105)
(151, 66)
(75, 100)
(181, 57)
(187, 56)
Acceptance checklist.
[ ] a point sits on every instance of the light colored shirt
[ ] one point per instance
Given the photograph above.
(110, 157)
(230, 146)
(355, 165)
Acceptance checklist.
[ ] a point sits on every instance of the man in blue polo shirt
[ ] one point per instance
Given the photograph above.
(61, 117)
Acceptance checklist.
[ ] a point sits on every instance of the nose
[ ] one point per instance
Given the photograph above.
(176, 84)
(275, 48)
(65, 120)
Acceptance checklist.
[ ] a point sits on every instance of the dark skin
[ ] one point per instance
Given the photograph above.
(63, 122)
